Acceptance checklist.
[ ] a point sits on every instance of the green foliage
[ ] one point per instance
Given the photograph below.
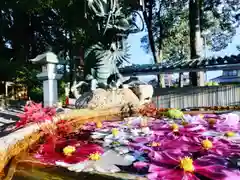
(219, 18)
(175, 114)
(36, 94)
(211, 83)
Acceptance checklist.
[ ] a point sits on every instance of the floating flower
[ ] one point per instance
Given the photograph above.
(113, 133)
(176, 130)
(201, 120)
(212, 146)
(67, 151)
(178, 167)
(144, 131)
(104, 163)
(155, 143)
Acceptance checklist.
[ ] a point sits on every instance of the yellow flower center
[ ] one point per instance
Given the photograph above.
(211, 122)
(175, 127)
(206, 144)
(129, 123)
(155, 144)
(201, 116)
(95, 156)
(99, 124)
(187, 164)
(68, 150)
(184, 123)
(115, 143)
(230, 134)
(115, 132)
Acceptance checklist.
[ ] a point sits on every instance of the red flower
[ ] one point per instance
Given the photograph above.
(69, 151)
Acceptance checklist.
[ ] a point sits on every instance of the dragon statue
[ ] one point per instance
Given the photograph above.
(109, 25)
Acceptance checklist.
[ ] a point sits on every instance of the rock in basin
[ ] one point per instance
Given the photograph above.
(107, 99)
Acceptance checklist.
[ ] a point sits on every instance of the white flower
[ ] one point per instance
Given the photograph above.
(101, 163)
(141, 132)
(122, 150)
(192, 119)
(115, 141)
(231, 119)
(100, 133)
(230, 136)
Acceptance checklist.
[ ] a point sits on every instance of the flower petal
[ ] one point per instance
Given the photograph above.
(106, 168)
(232, 175)
(112, 157)
(164, 157)
(81, 166)
(214, 172)
(62, 164)
(98, 135)
(122, 149)
(157, 173)
(140, 164)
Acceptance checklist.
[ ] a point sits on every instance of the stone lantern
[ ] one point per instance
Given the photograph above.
(49, 76)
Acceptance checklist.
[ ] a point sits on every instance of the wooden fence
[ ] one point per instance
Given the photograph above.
(191, 97)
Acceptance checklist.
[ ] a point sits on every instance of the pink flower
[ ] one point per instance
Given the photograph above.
(232, 175)
(176, 130)
(205, 145)
(174, 166)
(228, 122)
(91, 126)
(160, 143)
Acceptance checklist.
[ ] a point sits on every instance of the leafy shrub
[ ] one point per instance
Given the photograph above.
(36, 94)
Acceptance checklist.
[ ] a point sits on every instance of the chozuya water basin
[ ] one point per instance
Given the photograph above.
(18, 153)
(106, 146)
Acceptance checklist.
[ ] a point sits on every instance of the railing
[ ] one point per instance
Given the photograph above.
(191, 97)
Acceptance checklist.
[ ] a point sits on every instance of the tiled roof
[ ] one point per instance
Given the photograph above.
(225, 79)
(219, 63)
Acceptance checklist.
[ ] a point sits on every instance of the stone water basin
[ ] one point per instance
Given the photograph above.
(109, 147)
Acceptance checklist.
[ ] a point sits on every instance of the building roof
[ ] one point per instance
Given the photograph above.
(210, 64)
(226, 79)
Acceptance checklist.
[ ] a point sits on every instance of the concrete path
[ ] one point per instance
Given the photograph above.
(8, 118)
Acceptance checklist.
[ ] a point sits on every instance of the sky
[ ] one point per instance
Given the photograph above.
(139, 56)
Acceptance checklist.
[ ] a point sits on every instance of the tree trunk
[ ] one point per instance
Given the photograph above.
(71, 64)
(196, 78)
(159, 59)
(160, 51)
(148, 20)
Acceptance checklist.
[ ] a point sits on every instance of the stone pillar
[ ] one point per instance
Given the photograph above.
(49, 76)
(50, 92)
